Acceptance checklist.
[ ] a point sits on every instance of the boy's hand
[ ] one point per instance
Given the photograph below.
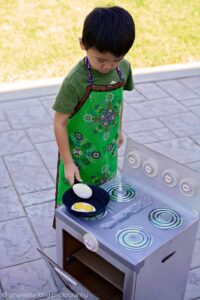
(72, 172)
(120, 139)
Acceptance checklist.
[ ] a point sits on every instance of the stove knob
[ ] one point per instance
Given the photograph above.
(90, 242)
(150, 168)
(134, 159)
(188, 187)
(170, 177)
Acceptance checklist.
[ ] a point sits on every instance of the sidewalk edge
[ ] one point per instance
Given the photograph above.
(49, 87)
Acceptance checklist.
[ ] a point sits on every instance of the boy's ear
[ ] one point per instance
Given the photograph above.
(81, 44)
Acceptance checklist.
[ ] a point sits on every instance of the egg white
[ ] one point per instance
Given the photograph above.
(82, 190)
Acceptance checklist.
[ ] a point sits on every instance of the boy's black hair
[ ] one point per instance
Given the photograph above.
(110, 29)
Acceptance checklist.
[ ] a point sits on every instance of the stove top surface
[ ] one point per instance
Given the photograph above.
(136, 222)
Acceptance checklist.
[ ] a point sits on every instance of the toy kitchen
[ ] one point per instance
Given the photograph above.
(141, 247)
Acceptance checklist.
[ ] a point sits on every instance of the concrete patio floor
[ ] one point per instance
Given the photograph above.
(163, 112)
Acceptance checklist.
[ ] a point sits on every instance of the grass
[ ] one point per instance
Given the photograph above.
(39, 39)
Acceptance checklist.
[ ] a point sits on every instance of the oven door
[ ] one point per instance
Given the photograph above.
(66, 285)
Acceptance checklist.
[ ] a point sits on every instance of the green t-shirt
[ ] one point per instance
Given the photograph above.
(74, 84)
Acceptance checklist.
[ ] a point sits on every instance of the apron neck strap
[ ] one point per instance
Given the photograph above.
(90, 79)
(119, 73)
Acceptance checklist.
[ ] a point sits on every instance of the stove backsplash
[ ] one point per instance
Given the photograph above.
(161, 175)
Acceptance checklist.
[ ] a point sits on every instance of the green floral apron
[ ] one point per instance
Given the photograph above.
(93, 131)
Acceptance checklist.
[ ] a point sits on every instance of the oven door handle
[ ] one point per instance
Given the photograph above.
(64, 276)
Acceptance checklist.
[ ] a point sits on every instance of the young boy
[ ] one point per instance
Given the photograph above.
(88, 106)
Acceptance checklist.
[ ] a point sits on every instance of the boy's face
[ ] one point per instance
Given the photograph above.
(102, 62)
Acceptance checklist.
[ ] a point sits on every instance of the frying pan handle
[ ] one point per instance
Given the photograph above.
(77, 181)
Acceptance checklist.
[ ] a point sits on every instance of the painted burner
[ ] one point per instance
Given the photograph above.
(118, 193)
(95, 218)
(165, 218)
(121, 192)
(134, 238)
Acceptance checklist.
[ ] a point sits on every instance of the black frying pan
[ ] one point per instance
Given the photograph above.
(99, 200)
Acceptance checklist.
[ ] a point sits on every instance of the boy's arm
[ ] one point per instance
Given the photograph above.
(71, 170)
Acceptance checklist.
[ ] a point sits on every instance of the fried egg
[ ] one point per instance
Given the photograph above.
(82, 190)
(83, 207)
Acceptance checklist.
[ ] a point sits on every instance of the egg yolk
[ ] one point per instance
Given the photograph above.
(85, 207)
